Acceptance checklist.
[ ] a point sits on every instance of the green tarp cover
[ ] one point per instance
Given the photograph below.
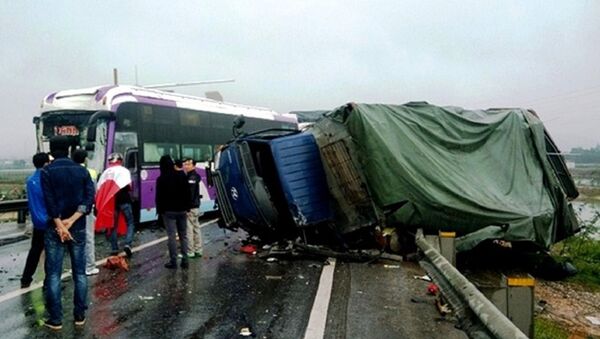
(481, 173)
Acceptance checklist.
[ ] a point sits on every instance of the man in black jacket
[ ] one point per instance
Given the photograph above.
(68, 193)
(172, 203)
(194, 234)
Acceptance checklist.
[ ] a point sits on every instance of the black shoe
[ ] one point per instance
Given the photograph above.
(25, 284)
(184, 264)
(171, 265)
(79, 320)
(128, 251)
(52, 325)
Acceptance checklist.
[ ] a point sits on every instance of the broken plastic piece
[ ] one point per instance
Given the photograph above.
(145, 298)
(423, 277)
(593, 320)
(245, 332)
(433, 289)
(248, 249)
(273, 277)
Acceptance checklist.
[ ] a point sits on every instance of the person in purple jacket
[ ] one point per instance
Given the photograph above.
(39, 217)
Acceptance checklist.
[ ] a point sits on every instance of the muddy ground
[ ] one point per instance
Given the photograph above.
(569, 304)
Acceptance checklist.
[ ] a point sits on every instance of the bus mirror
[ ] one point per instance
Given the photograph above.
(238, 123)
(209, 179)
(89, 146)
(91, 133)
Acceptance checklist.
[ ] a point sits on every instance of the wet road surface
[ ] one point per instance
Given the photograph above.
(223, 292)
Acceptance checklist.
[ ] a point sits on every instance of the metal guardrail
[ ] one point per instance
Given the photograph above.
(19, 205)
(465, 298)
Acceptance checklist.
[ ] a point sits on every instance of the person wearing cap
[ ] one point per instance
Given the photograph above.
(122, 203)
(39, 217)
(68, 194)
(79, 156)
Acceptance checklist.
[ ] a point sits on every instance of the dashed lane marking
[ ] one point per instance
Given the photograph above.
(318, 314)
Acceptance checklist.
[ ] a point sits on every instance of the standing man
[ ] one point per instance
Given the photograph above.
(79, 157)
(39, 217)
(69, 193)
(194, 233)
(114, 203)
(172, 203)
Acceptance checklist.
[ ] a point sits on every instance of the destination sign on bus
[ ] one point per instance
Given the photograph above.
(66, 130)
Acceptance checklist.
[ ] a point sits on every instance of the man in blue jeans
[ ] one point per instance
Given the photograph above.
(68, 193)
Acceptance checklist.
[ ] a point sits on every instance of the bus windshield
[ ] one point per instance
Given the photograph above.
(70, 123)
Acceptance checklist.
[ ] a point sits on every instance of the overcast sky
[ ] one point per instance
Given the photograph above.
(301, 55)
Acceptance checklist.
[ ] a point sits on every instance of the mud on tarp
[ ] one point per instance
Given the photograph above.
(484, 174)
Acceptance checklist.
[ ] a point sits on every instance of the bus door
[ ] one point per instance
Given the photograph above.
(132, 164)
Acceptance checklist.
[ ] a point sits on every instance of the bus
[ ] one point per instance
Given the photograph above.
(144, 124)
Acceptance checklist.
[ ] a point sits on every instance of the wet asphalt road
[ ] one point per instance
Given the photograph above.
(224, 292)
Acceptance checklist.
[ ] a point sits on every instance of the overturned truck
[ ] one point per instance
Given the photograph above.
(363, 168)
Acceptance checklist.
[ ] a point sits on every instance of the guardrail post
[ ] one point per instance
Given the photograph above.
(21, 217)
(520, 299)
(448, 247)
(444, 243)
(514, 297)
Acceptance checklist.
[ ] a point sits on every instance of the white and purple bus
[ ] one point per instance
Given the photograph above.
(144, 124)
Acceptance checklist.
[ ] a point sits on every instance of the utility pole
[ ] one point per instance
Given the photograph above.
(115, 76)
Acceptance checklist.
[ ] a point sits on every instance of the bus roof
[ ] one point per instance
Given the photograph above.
(109, 98)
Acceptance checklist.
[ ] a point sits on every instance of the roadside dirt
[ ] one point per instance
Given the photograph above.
(569, 304)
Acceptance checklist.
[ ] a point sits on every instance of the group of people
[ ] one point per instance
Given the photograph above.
(61, 197)
(177, 203)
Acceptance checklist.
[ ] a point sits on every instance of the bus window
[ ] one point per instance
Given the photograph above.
(153, 151)
(200, 153)
(125, 141)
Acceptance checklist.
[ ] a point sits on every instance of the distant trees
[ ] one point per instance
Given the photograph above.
(581, 155)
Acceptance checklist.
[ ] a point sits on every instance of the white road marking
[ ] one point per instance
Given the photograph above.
(318, 315)
(66, 275)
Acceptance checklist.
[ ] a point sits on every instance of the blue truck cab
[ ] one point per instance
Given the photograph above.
(272, 183)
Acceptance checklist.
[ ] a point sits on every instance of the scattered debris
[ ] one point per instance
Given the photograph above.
(115, 261)
(422, 277)
(248, 249)
(273, 277)
(419, 300)
(146, 297)
(433, 289)
(593, 320)
(391, 266)
(245, 332)
(272, 259)
(442, 306)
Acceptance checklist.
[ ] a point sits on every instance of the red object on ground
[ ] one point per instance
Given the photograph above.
(250, 249)
(433, 289)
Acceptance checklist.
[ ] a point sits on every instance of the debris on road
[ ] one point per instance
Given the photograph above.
(273, 277)
(145, 297)
(245, 332)
(422, 277)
